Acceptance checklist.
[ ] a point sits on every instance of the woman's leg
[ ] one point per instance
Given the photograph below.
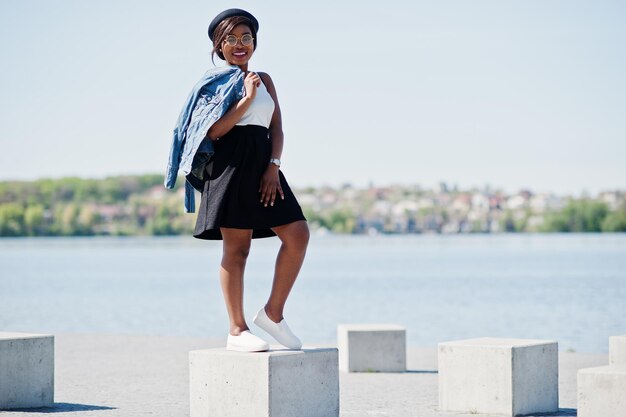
(234, 256)
(295, 239)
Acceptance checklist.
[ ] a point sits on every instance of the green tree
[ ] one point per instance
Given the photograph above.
(11, 219)
(582, 215)
(507, 222)
(341, 221)
(34, 221)
(162, 222)
(615, 221)
(66, 217)
(86, 219)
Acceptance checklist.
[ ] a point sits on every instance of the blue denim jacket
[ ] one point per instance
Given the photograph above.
(208, 101)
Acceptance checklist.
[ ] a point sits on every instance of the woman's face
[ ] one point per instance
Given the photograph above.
(239, 54)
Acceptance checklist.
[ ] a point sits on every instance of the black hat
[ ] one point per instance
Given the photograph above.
(230, 13)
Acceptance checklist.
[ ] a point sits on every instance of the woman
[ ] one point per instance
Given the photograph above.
(245, 195)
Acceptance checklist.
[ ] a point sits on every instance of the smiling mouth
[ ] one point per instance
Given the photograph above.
(240, 54)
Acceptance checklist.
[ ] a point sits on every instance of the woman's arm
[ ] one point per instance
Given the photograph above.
(236, 112)
(276, 124)
(270, 182)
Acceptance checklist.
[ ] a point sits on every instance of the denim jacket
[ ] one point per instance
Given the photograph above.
(207, 102)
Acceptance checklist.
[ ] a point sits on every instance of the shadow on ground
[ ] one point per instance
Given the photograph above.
(420, 371)
(570, 412)
(63, 408)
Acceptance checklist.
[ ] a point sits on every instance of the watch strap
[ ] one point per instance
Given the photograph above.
(275, 161)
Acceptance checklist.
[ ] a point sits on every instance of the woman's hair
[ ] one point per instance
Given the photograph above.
(224, 28)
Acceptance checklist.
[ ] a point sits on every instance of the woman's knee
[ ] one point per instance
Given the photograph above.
(297, 235)
(305, 235)
(237, 253)
(236, 245)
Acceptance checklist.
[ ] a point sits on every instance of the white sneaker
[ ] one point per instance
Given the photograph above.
(246, 342)
(279, 331)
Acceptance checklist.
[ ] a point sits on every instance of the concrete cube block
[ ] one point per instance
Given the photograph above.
(26, 370)
(371, 347)
(602, 391)
(617, 350)
(275, 383)
(498, 375)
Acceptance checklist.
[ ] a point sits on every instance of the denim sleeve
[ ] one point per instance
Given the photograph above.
(173, 161)
(190, 198)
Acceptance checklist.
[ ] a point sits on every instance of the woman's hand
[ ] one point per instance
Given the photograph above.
(270, 183)
(237, 110)
(250, 83)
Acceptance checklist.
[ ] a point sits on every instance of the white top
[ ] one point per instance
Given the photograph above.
(260, 110)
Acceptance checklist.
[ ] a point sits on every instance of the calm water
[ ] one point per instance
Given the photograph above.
(571, 288)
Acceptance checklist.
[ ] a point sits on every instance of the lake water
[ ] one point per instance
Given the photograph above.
(567, 287)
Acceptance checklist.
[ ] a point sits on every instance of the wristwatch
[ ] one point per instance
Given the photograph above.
(275, 161)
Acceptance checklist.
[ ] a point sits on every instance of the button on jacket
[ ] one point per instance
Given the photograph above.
(207, 102)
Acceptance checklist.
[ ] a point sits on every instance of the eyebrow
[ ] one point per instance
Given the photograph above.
(245, 33)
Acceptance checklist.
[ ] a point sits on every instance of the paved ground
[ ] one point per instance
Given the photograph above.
(128, 376)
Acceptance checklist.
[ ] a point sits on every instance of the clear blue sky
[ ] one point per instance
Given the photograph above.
(510, 94)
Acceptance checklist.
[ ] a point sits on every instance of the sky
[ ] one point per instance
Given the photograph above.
(507, 94)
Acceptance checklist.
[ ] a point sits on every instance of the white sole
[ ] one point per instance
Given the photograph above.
(245, 349)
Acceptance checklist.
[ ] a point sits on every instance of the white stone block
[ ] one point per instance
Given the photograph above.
(26, 370)
(498, 375)
(371, 347)
(602, 391)
(617, 350)
(275, 383)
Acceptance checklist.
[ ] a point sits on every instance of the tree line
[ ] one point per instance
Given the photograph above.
(140, 205)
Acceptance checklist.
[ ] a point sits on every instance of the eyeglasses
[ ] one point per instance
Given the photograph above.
(246, 40)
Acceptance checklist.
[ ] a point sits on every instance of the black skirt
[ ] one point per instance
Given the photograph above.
(231, 197)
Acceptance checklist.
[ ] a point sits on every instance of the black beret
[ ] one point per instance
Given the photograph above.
(230, 13)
